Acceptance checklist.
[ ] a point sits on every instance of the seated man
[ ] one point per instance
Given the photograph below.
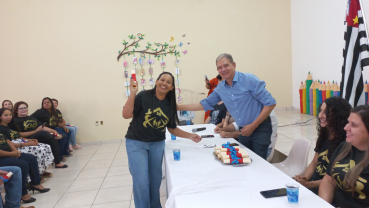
(232, 130)
(217, 115)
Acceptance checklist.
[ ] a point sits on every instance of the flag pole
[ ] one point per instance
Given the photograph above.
(362, 12)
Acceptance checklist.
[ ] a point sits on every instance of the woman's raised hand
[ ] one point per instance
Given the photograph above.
(133, 86)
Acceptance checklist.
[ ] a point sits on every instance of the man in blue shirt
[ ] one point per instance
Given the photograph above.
(247, 100)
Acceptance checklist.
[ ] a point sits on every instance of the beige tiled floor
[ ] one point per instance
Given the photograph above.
(98, 175)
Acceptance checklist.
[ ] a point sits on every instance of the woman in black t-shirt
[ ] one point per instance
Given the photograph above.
(10, 156)
(152, 111)
(346, 183)
(332, 118)
(47, 114)
(30, 127)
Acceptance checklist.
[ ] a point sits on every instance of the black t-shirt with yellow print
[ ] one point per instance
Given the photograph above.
(4, 146)
(60, 116)
(26, 124)
(44, 117)
(322, 164)
(10, 134)
(150, 117)
(342, 196)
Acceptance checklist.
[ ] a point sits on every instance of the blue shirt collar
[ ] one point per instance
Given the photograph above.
(235, 79)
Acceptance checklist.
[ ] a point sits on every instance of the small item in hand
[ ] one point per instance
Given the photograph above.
(207, 136)
(24, 141)
(43, 125)
(7, 177)
(55, 134)
(206, 77)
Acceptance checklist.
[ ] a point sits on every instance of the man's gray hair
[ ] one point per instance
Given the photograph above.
(225, 55)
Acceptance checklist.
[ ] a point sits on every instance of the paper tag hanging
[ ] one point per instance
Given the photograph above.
(150, 61)
(135, 70)
(177, 70)
(142, 72)
(143, 82)
(151, 70)
(179, 99)
(162, 63)
(141, 61)
(142, 90)
(128, 93)
(177, 62)
(126, 74)
(178, 90)
(126, 84)
(134, 60)
(177, 81)
(125, 63)
(152, 82)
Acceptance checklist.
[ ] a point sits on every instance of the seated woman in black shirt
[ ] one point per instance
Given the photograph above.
(47, 114)
(152, 111)
(30, 127)
(346, 183)
(10, 156)
(333, 116)
(41, 151)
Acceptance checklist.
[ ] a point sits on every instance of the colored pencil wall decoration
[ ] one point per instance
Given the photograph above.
(332, 88)
(328, 91)
(320, 93)
(309, 81)
(324, 94)
(367, 86)
(300, 92)
(336, 91)
(317, 97)
(311, 98)
(304, 98)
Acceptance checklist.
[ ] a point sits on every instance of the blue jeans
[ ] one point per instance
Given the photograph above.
(73, 130)
(63, 142)
(13, 188)
(145, 165)
(259, 140)
(28, 165)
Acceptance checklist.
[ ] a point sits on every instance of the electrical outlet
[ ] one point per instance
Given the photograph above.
(101, 122)
(97, 123)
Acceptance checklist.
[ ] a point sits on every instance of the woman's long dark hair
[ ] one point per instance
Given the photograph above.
(337, 112)
(53, 111)
(172, 96)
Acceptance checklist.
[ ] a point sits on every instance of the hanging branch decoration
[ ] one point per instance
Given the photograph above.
(161, 50)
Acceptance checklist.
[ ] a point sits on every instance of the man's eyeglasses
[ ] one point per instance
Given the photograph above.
(25, 108)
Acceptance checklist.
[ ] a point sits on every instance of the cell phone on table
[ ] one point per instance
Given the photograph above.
(206, 136)
(274, 193)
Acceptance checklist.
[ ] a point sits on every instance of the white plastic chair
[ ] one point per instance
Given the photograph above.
(272, 152)
(296, 162)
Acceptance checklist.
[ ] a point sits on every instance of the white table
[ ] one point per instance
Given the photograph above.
(199, 180)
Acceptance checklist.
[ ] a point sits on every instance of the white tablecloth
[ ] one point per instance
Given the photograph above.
(199, 180)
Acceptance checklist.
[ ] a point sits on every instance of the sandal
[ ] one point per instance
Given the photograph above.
(64, 166)
(46, 175)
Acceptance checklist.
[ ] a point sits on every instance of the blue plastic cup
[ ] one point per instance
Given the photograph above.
(292, 193)
(177, 154)
(173, 137)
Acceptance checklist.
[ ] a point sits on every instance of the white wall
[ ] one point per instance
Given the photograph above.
(317, 32)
